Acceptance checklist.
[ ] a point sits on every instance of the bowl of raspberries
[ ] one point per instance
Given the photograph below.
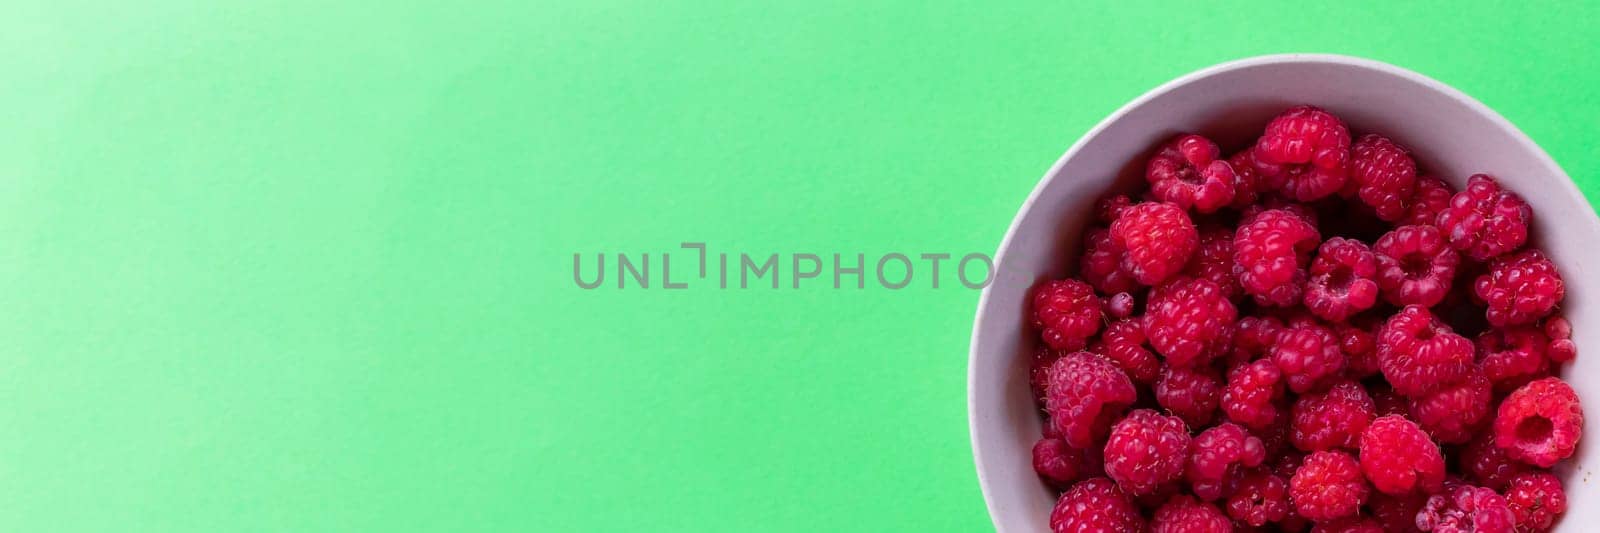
(1292, 293)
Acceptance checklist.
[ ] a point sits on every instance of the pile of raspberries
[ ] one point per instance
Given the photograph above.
(1309, 334)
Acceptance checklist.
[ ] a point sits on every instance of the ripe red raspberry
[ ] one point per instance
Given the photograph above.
(1066, 312)
(1084, 394)
(1213, 260)
(1399, 458)
(1308, 355)
(1253, 337)
(1124, 343)
(1397, 513)
(1328, 486)
(1101, 264)
(1453, 414)
(1189, 321)
(1182, 514)
(1248, 183)
(1260, 498)
(1187, 173)
(1341, 280)
(1485, 220)
(1513, 356)
(1466, 509)
(1520, 288)
(1431, 197)
(1146, 450)
(1360, 346)
(1218, 457)
(1190, 393)
(1308, 149)
(1561, 349)
(1058, 464)
(1385, 174)
(1158, 238)
(1536, 499)
(1252, 393)
(1540, 423)
(1419, 354)
(1270, 254)
(1349, 524)
(1486, 465)
(1415, 265)
(1095, 505)
(1334, 418)
(1107, 209)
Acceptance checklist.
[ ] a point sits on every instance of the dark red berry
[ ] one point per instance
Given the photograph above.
(1188, 173)
(1101, 264)
(1261, 498)
(1540, 423)
(1385, 174)
(1308, 149)
(1520, 288)
(1146, 450)
(1158, 239)
(1328, 486)
(1095, 505)
(1419, 354)
(1398, 458)
(1487, 465)
(1453, 414)
(1415, 266)
(1432, 196)
(1213, 260)
(1308, 355)
(1252, 393)
(1466, 509)
(1341, 280)
(1084, 394)
(1218, 458)
(1270, 254)
(1513, 356)
(1190, 321)
(1182, 514)
(1190, 393)
(1066, 312)
(1485, 220)
(1536, 499)
(1124, 343)
(1330, 419)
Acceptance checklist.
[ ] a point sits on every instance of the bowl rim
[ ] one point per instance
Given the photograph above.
(999, 256)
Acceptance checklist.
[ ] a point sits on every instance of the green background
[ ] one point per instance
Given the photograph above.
(299, 266)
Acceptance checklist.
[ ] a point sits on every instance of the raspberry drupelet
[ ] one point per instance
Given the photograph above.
(1308, 355)
(1419, 354)
(1157, 239)
(1067, 313)
(1084, 394)
(1385, 174)
(1146, 450)
(1536, 499)
(1485, 220)
(1308, 149)
(1328, 486)
(1415, 266)
(1334, 418)
(1341, 281)
(1182, 514)
(1520, 288)
(1095, 505)
(1540, 423)
(1466, 509)
(1398, 458)
(1218, 458)
(1188, 173)
(1270, 254)
(1190, 321)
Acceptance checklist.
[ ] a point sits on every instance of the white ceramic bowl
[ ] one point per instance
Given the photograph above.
(1452, 135)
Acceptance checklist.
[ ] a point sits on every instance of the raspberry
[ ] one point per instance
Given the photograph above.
(1101, 264)
(1349, 524)
(1248, 183)
(1466, 509)
(1331, 419)
(1520, 288)
(1536, 499)
(1308, 149)
(1251, 395)
(1217, 457)
(1485, 220)
(1107, 209)
(1213, 260)
(1431, 197)
(1360, 348)
(1057, 463)
(1124, 343)
(1146, 450)
(1066, 312)
(1561, 349)
(1540, 423)
(1190, 393)
(1186, 172)
(1512, 357)
(1308, 355)
(1385, 174)
(1487, 465)
(1253, 337)
(1452, 414)
(1182, 514)
(1328, 486)
(1399, 458)
(1341, 280)
(1084, 395)
(1189, 321)
(1260, 498)
(1415, 265)
(1419, 354)
(1096, 505)
(1397, 513)
(1158, 238)
(1270, 254)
